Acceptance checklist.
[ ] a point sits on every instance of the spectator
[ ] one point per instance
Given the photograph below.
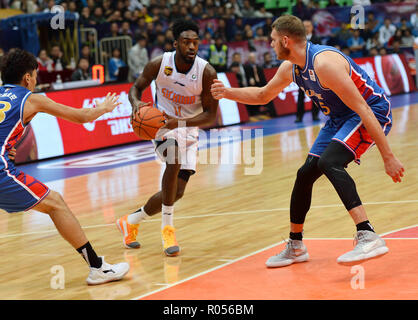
(168, 46)
(404, 25)
(218, 54)
(236, 7)
(138, 56)
(382, 51)
(235, 68)
(396, 37)
(255, 77)
(268, 61)
(236, 57)
(407, 39)
(114, 64)
(116, 16)
(125, 29)
(386, 32)
(310, 32)
(221, 30)
(372, 23)
(57, 57)
(45, 63)
(85, 18)
(373, 42)
(107, 8)
(49, 6)
(98, 17)
(82, 72)
(263, 13)
(259, 34)
(247, 10)
(237, 27)
(72, 7)
(301, 11)
(160, 40)
(356, 44)
(207, 38)
(86, 54)
(395, 47)
(114, 30)
(373, 52)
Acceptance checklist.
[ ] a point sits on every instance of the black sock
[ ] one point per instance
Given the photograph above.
(88, 254)
(365, 225)
(296, 236)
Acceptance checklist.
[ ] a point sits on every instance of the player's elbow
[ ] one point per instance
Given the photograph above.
(263, 97)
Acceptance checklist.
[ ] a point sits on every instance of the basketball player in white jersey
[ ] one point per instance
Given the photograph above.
(183, 83)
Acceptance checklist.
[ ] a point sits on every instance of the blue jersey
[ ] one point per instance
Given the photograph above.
(12, 101)
(327, 100)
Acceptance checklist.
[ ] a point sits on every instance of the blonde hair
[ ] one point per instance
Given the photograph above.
(291, 26)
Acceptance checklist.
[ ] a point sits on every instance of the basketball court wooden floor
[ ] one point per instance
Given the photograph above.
(228, 224)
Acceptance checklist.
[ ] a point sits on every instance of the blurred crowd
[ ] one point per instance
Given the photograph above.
(148, 23)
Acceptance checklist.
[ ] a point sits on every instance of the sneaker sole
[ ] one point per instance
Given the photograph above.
(93, 283)
(302, 258)
(172, 254)
(123, 237)
(379, 252)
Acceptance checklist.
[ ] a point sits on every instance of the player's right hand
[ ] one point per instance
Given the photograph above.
(218, 89)
(135, 108)
(109, 103)
(394, 168)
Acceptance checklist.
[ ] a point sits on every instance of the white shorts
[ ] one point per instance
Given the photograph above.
(187, 139)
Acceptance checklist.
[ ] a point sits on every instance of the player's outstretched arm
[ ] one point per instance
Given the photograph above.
(256, 95)
(333, 72)
(142, 82)
(40, 103)
(209, 104)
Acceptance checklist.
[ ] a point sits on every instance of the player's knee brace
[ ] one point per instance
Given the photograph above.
(332, 163)
(302, 190)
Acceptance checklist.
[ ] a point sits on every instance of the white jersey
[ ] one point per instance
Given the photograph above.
(179, 94)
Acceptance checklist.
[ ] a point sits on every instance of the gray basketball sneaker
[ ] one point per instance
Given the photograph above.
(369, 245)
(294, 252)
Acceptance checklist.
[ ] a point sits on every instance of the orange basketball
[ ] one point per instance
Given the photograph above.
(147, 122)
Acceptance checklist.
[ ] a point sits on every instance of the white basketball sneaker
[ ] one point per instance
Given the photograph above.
(294, 252)
(368, 246)
(107, 272)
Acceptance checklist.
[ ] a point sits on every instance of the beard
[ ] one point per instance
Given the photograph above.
(283, 53)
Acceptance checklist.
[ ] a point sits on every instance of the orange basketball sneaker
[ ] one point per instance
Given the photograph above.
(129, 232)
(170, 245)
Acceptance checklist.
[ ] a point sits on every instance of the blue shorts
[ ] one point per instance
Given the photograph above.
(351, 133)
(19, 191)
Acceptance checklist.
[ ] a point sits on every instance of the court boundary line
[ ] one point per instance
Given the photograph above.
(252, 254)
(231, 213)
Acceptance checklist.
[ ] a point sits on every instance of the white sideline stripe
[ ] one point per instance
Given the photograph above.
(413, 226)
(216, 215)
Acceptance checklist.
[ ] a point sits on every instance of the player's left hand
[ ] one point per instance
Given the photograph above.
(170, 122)
(394, 168)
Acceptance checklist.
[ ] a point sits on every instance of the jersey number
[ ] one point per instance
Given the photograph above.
(324, 108)
(5, 106)
(177, 110)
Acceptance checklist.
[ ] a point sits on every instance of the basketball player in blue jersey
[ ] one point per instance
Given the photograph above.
(21, 192)
(182, 81)
(360, 116)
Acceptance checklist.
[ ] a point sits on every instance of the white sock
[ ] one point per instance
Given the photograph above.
(167, 216)
(137, 216)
